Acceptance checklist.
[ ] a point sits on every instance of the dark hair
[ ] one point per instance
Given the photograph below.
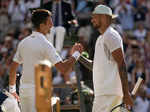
(39, 16)
(109, 19)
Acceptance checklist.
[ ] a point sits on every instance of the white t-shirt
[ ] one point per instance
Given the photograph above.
(106, 76)
(30, 51)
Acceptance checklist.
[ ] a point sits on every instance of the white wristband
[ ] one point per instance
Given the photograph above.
(12, 88)
(76, 55)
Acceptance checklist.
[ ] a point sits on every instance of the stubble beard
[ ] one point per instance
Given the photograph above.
(49, 31)
(96, 26)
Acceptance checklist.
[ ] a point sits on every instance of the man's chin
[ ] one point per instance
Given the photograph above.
(95, 26)
(49, 31)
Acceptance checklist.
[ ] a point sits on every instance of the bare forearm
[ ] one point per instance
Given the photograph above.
(124, 78)
(69, 63)
(65, 65)
(12, 74)
(12, 77)
(86, 62)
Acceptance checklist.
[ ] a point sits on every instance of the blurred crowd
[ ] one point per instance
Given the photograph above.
(133, 24)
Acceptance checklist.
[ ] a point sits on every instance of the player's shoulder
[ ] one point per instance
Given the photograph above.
(24, 41)
(46, 43)
(112, 33)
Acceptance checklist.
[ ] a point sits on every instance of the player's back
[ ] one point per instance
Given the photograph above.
(32, 51)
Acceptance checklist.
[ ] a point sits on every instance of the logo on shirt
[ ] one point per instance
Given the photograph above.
(32, 36)
(107, 52)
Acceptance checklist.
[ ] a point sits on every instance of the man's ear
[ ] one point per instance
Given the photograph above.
(41, 25)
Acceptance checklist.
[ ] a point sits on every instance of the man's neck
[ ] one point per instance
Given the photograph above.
(40, 31)
(103, 29)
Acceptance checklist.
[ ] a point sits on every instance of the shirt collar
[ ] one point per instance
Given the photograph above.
(38, 34)
(107, 30)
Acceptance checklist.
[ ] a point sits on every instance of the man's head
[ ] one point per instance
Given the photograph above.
(41, 20)
(102, 16)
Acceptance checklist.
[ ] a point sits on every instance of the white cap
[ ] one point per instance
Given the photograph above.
(103, 9)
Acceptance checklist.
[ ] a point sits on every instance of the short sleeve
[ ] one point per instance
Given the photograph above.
(17, 57)
(51, 53)
(113, 42)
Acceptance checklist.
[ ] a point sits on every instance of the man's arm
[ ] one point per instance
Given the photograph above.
(119, 58)
(12, 74)
(12, 79)
(86, 62)
(66, 65)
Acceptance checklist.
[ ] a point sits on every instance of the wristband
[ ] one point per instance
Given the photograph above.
(12, 88)
(76, 55)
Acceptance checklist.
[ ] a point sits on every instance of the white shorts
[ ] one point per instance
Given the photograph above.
(105, 103)
(10, 104)
(27, 98)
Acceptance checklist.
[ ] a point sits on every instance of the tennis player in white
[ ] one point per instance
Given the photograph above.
(109, 69)
(30, 51)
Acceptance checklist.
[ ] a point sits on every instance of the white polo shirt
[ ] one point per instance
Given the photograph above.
(106, 76)
(30, 51)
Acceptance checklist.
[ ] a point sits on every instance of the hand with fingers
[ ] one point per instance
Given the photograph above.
(77, 47)
(12, 91)
(76, 50)
(16, 96)
(128, 101)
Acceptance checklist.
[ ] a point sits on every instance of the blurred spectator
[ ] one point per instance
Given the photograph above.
(24, 33)
(140, 11)
(57, 79)
(131, 58)
(148, 4)
(147, 53)
(30, 4)
(92, 41)
(114, 3)
(100, 2)
(8, 43)
(140, 71)
(141, 102)
(17, 11)
(73, 4)
(117, 25)
(4, 20)
(3, 78)
(83, 10)
(4, 54)
(140, 32)
(84, 34)
(147, 22)
(61, 15)
(125, 12)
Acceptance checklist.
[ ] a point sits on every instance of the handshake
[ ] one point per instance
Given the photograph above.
(76, 51)
(76, 47)
(78, 54)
